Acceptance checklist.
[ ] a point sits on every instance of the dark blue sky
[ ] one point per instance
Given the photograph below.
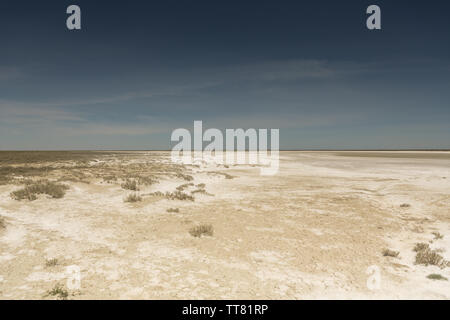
(139, 69)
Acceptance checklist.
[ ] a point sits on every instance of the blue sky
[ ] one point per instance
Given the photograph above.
(139, 69)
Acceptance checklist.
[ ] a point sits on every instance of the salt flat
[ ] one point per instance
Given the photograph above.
(311, 231)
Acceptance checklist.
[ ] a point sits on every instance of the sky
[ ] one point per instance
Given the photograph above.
(137, 70)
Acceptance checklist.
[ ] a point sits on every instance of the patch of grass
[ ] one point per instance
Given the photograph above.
(204, 229)
(58, 291)
(51, 262)
(173, 210)
(130, 185)
(31, 190)
(438, 236)
(133, 198)
(390, 253)
(435, 276)
(426, 256)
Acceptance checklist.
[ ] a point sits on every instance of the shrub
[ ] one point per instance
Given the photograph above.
(435, 276)
(426, 256)
(178, 195)
(58, 291)
(184, 176)
(130, 185)
(204, 229)
(51, 262)
(2, 223)
(31, 191)
(133, 198)
(390, 253)
(405, 205)
(184, 186)
(173, 210)
(437, 236)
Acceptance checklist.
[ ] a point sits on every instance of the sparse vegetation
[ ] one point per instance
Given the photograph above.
(184, 176)
(405, 205)
(421, 246)
(173, 210)
(58, 291)
(185, 186)
(435, 276)
(51, 262)
(438, 236)
(130, 185)
(426, 256)
(109, 178)
(204, 229)
(133, 198)
(31, 191)
(201, 191)
(226, 175)
(2, 223)
(177, 195)
(390, 253)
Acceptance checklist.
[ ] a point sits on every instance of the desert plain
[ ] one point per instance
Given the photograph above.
(134, 225)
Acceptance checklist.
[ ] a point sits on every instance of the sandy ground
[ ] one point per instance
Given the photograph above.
(313, 231)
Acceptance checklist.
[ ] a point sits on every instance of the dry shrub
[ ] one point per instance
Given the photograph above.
(438, 236)
(51, 262)
(59, 291)
(173, 210)
(426, 256)
(31, 190)
(184, 176)
(185, 186)
(177, 195)
(390, 253)
(204, 229)
(130, 185)
(133, 198)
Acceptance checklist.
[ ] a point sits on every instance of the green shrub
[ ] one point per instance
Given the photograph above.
(435, 276)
